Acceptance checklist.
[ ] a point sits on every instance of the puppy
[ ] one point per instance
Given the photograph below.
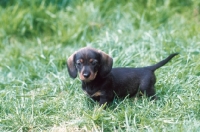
(102, 82)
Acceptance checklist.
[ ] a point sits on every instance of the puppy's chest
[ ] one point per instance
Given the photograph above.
(92, 91)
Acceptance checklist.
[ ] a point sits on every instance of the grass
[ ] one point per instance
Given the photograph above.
(37, 94)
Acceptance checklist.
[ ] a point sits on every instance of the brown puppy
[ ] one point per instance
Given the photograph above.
(101, 82)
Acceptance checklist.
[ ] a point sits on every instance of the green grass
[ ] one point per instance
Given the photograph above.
(37, 94)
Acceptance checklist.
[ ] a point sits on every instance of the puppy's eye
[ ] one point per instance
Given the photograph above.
(95, 62)
(78, 62)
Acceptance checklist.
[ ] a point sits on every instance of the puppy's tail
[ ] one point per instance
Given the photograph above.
(163, 62)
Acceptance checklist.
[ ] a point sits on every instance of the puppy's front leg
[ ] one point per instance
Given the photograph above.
(106, 98)
(103, 101)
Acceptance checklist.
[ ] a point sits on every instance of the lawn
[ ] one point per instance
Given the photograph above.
(36, 38)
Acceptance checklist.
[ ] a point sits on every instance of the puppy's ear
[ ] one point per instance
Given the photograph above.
(106, 64)
(71, 66)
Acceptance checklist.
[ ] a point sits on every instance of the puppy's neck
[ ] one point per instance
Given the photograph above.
(84, 82)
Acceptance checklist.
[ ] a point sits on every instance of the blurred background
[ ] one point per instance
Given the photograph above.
(73, 21)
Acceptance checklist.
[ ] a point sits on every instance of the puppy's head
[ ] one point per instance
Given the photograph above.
(88, 62)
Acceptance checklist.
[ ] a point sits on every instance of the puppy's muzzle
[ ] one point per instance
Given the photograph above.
(86, 74)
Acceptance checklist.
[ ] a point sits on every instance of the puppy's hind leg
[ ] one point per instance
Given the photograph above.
(151, 93)
(148, 90)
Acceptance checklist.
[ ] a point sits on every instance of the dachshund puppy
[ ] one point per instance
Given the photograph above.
(102, 82)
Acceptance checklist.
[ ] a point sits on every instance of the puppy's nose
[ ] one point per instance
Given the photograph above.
(86, 75)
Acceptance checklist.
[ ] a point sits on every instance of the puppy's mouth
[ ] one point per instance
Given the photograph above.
(88, 79)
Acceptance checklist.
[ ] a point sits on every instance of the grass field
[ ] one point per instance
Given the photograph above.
(37, 94)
